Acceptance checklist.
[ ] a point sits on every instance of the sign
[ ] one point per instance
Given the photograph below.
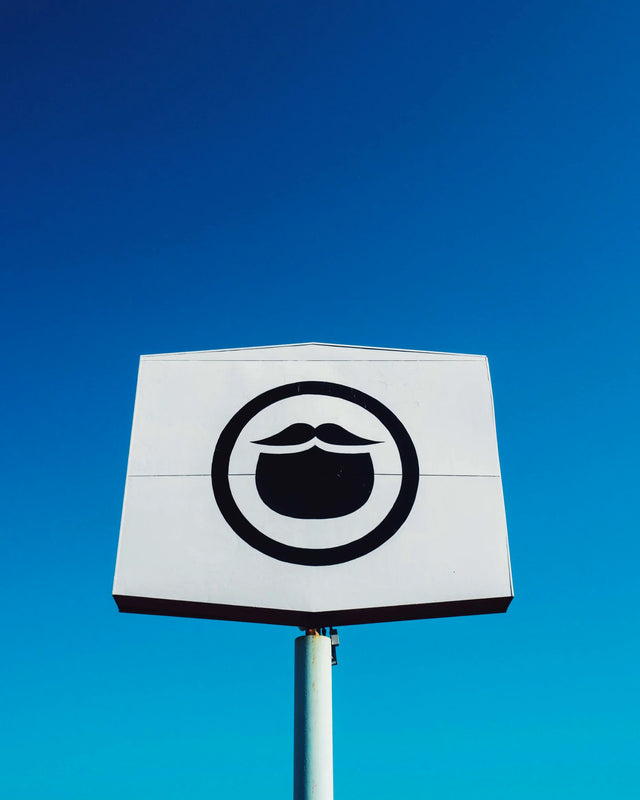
(313, 485)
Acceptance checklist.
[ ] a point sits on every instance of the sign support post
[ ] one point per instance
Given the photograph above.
(313, 733)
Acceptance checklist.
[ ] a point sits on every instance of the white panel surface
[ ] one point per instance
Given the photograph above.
(183, 551)
(181, 408)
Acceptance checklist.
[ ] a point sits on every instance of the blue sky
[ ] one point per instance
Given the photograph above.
(459, 177)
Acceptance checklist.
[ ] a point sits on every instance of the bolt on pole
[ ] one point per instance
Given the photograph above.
(313, 727)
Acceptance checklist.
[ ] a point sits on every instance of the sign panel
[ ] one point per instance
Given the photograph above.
(313, 485)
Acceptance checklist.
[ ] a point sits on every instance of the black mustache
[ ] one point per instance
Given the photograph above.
(301, 432)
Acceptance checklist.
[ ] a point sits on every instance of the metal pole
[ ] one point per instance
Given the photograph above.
(313, 737)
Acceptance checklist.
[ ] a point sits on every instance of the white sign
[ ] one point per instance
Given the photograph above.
(313, 485)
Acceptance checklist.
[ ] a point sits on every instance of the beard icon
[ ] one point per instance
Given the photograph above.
(315, 483)
(309, 495)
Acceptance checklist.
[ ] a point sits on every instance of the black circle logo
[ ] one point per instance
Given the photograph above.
(329, 485)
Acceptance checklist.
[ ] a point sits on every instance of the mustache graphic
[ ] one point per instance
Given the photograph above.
(301, 432)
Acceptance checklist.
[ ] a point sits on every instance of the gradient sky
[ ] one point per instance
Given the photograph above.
(198, 175)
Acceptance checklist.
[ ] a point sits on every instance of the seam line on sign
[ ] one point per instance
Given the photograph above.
(392, 474)
(450, 475)
(250, 474)
(174, 475)
(317, 360)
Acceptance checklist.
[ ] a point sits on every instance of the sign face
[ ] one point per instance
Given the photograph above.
(313, 485)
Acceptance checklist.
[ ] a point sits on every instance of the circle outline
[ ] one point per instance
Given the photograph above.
(307, 556)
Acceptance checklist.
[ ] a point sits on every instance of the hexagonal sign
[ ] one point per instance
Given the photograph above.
(313, 485)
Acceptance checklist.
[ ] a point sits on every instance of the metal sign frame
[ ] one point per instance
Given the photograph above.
(193, 544)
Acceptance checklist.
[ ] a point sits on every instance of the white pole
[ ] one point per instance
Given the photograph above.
(313, 736)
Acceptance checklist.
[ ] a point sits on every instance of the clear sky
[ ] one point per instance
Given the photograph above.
(441, 176)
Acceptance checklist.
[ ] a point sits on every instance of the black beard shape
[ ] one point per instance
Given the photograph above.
(301, 432)
(314, 483)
